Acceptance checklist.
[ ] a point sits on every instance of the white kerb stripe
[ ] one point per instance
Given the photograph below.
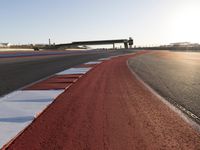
(93, 62)
(18, 109)
(75, 71)
(104, 59)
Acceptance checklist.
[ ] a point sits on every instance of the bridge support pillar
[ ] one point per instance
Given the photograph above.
(113, 45)
(126, 45)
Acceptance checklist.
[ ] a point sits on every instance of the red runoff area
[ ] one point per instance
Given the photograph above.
(108, 108)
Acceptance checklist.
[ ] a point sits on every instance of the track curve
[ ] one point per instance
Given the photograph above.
(108, 108)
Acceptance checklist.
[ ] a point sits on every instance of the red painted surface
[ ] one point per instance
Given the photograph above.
(69, 76)
(54, 83)
(108, 108)
(49, 86)
(60, 80)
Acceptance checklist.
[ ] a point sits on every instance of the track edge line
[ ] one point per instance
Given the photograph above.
(176, 109)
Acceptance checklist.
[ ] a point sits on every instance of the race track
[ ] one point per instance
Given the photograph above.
(19, 69)
(108, 108)
(174, 75)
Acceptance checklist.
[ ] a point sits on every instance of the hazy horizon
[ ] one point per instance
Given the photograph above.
(149, 22)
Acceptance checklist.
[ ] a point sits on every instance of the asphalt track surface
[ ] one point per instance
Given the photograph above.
(174, 75)
(108, 109)
(18, 71)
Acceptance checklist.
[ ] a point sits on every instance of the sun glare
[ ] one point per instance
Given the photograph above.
(185, 24)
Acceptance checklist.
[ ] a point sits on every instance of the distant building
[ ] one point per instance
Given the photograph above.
(184, 44)
(4, 45)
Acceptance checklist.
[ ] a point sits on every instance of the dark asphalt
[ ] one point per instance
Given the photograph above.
(174, 75)
(18, 72)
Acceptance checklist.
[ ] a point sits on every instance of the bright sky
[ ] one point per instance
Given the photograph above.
(149, 22)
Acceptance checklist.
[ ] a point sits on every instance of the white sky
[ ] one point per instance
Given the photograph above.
(149, 22)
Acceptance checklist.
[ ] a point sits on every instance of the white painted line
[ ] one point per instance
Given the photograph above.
(18, 109)
(74, 71)
(93, 62)
(31, 95)
(104, 59)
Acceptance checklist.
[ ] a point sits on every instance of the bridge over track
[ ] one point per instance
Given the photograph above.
(127, 43)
